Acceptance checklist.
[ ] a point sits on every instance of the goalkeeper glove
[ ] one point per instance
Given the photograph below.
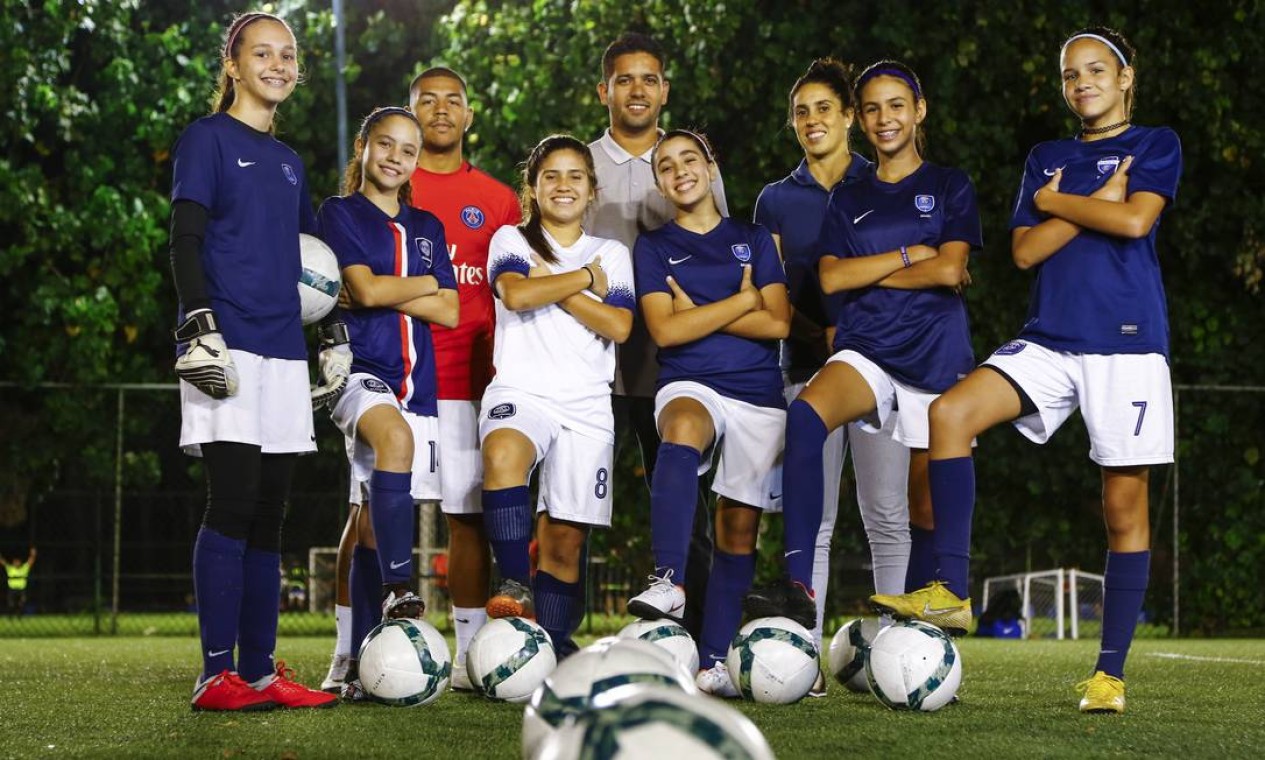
(206, 363)
(334, 364)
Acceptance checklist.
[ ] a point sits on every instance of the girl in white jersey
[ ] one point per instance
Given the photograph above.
(564, 299)
(1096, 338)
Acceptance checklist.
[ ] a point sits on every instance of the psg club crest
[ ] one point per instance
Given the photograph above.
(924, 203)
(1108, 164)
(742, 252)
(425, 249)
(290, 175)
(472, 217)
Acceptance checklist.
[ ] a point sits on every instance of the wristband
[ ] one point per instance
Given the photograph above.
(904, 256)
(592, 277)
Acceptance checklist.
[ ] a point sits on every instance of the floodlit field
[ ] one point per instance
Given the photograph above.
(89, 697)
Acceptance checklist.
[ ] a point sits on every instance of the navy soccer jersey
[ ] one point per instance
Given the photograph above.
(793, 208)
(920, 337)
(708, 268)
(386, 343)
(254, 189)
(1100, 294)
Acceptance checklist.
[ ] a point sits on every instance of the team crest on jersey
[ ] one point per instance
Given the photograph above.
(287, 170)
(472, 217)
(1011, 348)
(925, 203)
(1108, 164)
(425, 249)
(374, 385)
(501, 412)
(742, 252)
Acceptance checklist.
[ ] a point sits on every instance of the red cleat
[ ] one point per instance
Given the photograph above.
(228, 692)
(290, 694)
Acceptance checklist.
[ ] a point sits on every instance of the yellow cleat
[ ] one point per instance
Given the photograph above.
(1101, 694)
(933, 603)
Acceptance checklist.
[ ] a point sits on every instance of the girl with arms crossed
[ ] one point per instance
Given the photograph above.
(239, 201)
(398, 278)
(896, 245)
(1096, 338)
(713, 293)
(564, 299)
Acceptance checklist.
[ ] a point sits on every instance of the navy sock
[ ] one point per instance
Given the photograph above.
(261, 600)
(1124, 587)
(922, 559)
(507, 516)
(556, 602)
(729, 582)
(673, 498)
(365, 587)
(394, 524)
(217, 585)
(802, 489)
(952, 502)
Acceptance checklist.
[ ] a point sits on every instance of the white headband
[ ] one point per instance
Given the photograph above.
(1103, 40)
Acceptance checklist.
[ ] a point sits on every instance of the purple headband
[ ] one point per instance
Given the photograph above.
(906, 78)
(243, 21)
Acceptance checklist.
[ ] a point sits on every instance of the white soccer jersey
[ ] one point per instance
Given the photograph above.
(546, 351)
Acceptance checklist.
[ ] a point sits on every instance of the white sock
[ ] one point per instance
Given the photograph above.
(467, 621)
(342, 621)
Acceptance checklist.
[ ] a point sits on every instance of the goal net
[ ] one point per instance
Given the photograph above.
(1057, 604)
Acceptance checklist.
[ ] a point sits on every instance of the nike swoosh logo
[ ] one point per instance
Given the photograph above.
(674, 262)
(398, 565)
(217, 654)
(244, 164)
(927, 609)
(859, 218)
(462, 620)
(1050, 172)
(774, 495)
(792, 551)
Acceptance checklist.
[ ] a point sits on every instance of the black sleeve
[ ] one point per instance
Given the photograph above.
(188, 228)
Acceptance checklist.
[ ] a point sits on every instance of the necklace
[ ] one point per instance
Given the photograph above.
(1104, 130)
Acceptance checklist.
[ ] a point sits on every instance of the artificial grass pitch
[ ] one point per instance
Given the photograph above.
(93, 697)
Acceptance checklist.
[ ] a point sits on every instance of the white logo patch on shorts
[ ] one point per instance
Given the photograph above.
(501, 412)
(375, 385)
(1011, 348)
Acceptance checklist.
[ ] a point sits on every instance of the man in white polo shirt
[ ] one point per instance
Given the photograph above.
(634, 90)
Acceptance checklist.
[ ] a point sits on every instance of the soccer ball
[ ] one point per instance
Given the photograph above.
(670, 636)
(405, 662)
(652, 722)
(913, 666)
(584, 676)
(319, 281)
(508, 658)
(848, 650)
(773, 660)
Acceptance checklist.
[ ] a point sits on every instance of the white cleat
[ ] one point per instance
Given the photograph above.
(662, 599)
(333, 682)
(716, 681)
(460, 677)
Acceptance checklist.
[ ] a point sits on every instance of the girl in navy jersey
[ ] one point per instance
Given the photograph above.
(822, 112)
(398, 278)
(713, 294)
(1096, 338)
(895, 244)
(564, 299)
(239, 202)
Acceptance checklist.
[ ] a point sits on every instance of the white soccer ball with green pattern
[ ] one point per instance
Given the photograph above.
(913, 666)
(668, 635)
(405, 663)
(650, 722)
(578, 681)
(319, 279)
(509, 658)
(848, 650)
(773, 660)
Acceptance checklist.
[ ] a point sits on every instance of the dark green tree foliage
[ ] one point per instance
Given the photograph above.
(990, 71)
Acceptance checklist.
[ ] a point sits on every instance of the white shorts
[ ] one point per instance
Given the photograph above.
(272, 408)
(750, 440)
(910, 404)
(832, 455)
(363, 392)
(575, 469)
(1126, 400)
(460, 463)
